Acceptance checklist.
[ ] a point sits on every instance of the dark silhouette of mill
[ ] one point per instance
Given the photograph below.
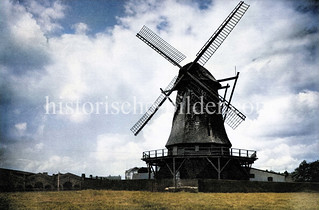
(198, 145)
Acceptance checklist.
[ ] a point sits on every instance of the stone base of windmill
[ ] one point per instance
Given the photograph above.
(182, 189)
(182, 186)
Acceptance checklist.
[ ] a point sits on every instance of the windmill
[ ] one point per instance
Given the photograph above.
(198, 145)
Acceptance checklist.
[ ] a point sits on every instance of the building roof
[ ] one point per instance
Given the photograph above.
(266, 171)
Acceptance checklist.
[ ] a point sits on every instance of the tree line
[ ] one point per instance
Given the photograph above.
(306, 172)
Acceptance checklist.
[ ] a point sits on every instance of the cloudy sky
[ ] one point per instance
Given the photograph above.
(74, 78)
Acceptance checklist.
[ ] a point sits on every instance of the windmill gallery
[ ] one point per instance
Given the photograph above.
(198, 146)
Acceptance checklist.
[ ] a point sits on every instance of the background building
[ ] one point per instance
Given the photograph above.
(266, 176)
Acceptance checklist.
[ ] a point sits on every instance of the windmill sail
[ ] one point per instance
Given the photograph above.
(161, 46)
(233, 117)
(221, 33)
(153, 109)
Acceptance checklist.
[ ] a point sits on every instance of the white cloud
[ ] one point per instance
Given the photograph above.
(21, 126)
(47, 16)
(23, 45)
(116, 152)
(80, 28)
(39, 146)
(282, 115)
(54, 164)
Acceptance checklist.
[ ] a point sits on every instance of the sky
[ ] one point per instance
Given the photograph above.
(74, 79)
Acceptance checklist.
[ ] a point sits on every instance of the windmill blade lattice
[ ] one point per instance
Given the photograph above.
(161, 46)
(152, 110)
(232, 116)
(221, 33)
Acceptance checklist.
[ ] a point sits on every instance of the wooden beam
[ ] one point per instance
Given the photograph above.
(226, 79)
(149, 171)
(224, 87)
(225, 165)
(231, 94)
(174, 171)
(181, 165)
(169, 169)
(218, 161)
(212, 164)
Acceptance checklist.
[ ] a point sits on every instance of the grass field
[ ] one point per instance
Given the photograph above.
(105, 199)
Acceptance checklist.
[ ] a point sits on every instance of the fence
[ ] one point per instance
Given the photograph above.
(200, 151)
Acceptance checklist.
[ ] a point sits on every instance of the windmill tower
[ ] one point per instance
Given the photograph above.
(198, 145)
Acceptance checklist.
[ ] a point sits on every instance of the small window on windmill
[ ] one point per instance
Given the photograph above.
(175, 150)
(270, 179)
(196, 123)
(196, 148)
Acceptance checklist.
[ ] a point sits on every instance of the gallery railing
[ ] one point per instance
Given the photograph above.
(200, 151)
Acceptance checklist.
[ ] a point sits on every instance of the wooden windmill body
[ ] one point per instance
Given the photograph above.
(198, 145)
(197, 119)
